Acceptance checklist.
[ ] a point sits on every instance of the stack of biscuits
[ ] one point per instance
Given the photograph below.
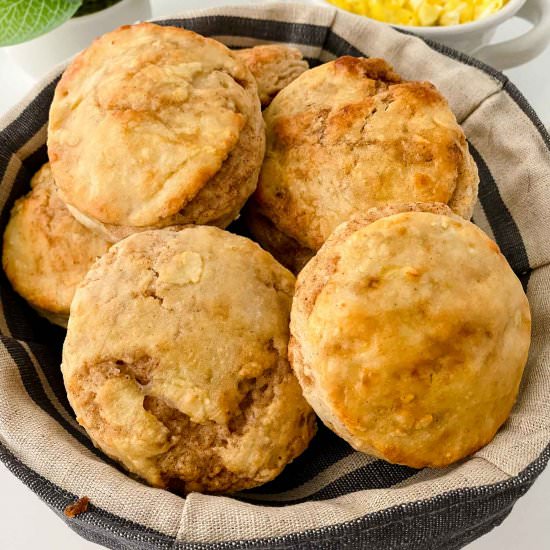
(193, 356)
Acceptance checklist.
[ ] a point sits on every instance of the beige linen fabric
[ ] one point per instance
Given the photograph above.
(519, 158)
(519, 163)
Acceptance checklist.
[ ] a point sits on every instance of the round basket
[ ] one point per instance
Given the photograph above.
(332, 496)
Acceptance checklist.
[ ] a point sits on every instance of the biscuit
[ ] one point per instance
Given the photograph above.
(155, 126)
(274, 67)
(409, 336)
(46, 251)
(351, 135)
(284, 249)
(176, 364)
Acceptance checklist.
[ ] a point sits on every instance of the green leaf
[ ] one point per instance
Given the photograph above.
(22, 20)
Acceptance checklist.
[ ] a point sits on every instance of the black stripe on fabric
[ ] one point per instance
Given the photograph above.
(49, 358)
(378, 475)
(312, 62)
(17, 312)
(524, 279)
(261, 29)
(336, 45)
(37, 159)
(296, 33)
(29, 121)
(36, 392)
(22, 321)
(20, 186)
(502, 223)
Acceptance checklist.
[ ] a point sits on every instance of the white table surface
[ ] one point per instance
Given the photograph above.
(25, 522)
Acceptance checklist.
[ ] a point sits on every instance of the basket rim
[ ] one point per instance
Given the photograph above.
(135, 531)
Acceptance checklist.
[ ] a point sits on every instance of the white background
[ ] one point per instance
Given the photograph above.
(25, 522)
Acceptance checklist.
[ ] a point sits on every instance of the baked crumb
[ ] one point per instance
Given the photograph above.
(77, 508)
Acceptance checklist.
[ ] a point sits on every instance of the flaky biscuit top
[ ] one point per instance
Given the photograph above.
(350, 135)
(143, 119)
(409, 337)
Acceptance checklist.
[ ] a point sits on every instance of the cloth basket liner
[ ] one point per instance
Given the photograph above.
(332, 496)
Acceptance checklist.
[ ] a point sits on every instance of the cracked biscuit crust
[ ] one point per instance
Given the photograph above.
(46, 251)
(176, 364)
(274, 67)
(350, 135)
(154, 126)
(409, 336)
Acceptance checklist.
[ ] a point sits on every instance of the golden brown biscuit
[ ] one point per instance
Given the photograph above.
(46, 251)
(154, 126)
(176, 364)
(409, 337)
(284, 249)
(351, 135)
(274, 67)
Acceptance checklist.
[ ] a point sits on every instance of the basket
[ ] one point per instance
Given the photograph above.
(332, 496)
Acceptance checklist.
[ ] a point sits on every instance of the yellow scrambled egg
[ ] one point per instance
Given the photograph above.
(422, 12)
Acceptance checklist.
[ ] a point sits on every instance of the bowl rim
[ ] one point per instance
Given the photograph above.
(504, 13)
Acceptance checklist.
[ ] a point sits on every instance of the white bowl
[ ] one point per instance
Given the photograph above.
(473, 38)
